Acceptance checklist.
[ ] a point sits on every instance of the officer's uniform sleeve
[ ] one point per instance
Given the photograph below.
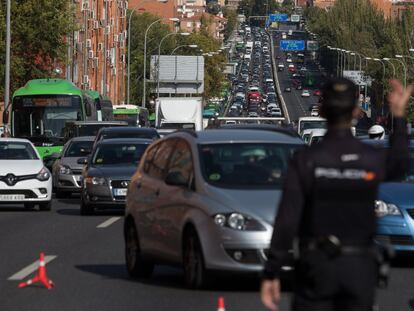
(398, 155)
(287, 221)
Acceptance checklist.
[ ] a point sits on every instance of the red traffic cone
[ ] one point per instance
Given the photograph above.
(220, 304)
(40, 277)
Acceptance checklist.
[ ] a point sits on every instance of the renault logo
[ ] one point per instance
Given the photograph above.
(125, 183)
(10, 179)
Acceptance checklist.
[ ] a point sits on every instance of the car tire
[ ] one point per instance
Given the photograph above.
(45, 206)
(195, 274)
(29, 205)
(136, 266)
(86, 209)
(62, 194)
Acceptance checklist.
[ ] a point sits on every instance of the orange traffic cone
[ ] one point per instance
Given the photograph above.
(220, 304)
(40, 277)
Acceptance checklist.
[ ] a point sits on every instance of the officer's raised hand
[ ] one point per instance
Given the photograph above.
(398, 98)
(270, 294)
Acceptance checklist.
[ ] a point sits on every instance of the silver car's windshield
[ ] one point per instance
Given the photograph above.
(79, 149)
(241, 165)
(17, 151)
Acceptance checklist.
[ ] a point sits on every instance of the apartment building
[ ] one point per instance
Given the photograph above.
(96, 55)
(190, 13)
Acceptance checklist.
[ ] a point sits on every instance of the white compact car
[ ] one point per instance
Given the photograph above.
(305, 93)
(23, 177)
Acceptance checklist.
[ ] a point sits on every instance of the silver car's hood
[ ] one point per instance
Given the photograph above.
(258, 203)
(72, 163)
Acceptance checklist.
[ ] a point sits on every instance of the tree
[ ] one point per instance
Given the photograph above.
(231, 25)
(357, 25)
(39, 30)
(139, 25)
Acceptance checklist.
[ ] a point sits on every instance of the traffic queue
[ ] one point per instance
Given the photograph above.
(205, 200)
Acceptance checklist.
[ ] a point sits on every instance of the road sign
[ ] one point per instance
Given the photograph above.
(358, 77)
(295, 18)
(278, 17)
(292, 45)
(312, 45)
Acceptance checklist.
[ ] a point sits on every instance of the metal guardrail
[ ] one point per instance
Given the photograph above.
(276, 79)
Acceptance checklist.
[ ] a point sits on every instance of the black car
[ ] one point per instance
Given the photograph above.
(126, 132)
(107, 173)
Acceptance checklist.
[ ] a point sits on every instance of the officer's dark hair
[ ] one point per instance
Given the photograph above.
(339, 98)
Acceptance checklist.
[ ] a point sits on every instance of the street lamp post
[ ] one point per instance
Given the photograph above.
(173, 19)
(387, 59)
(193, 46)
(7, 69)
(129, 47)
(159, 55)
(383, 78)
(399, 59)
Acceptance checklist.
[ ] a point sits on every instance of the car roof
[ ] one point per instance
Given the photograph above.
(236, 133)
(128, 129)
(112, 141)
(82, 138)
(17, 140)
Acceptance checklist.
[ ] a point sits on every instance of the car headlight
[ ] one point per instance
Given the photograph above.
(384, 209)
(101, 181)
(65, 170)
(238, 221)
(43, 175)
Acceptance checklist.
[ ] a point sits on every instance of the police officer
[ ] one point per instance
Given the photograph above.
(327, 209)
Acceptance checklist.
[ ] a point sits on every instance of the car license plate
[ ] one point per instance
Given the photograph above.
(120, 192)
(12, 197)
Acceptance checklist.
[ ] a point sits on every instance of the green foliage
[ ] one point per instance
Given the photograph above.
(231, 16)
(213, 65)
(357, 25)
(38, 30)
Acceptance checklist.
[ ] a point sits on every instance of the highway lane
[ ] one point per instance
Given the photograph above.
(297, 106)
(89, 270)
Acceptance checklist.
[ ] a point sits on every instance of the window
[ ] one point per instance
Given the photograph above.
(17, 151)
(79, 149)
(149, 157)
(119, 154)
(182, 161)
(159, 164)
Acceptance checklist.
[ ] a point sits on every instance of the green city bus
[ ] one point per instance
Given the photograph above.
(134, 115)
(40, 110)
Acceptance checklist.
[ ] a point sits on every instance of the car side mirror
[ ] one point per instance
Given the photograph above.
(83, 161)
(176, 179)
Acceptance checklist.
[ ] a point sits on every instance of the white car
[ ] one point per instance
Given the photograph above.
(23, 177)
(305, 93)
(316, 136)
(315, 113)
(288, 60)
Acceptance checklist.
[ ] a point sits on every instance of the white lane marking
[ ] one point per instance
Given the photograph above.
(30, 269)
(108, 222)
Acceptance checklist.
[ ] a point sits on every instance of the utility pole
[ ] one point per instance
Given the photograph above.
(7, 71)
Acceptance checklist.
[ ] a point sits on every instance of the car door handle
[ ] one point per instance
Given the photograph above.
(157, 192)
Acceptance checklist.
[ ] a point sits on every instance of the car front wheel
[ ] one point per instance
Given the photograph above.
(47, 206)
(194, 271)
(136, 266)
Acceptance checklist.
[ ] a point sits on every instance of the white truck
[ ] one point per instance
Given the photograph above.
(175, 113)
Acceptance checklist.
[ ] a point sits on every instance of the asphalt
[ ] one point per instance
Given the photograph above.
(89, 271)
(297, 105)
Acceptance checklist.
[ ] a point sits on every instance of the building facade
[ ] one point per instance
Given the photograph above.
(190, 13)
(96, 55)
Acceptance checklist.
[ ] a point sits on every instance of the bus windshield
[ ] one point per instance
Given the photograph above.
(44, 115)
(131, 118)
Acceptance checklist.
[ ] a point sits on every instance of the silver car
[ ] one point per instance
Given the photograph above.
(66, 171)
(206, 201)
